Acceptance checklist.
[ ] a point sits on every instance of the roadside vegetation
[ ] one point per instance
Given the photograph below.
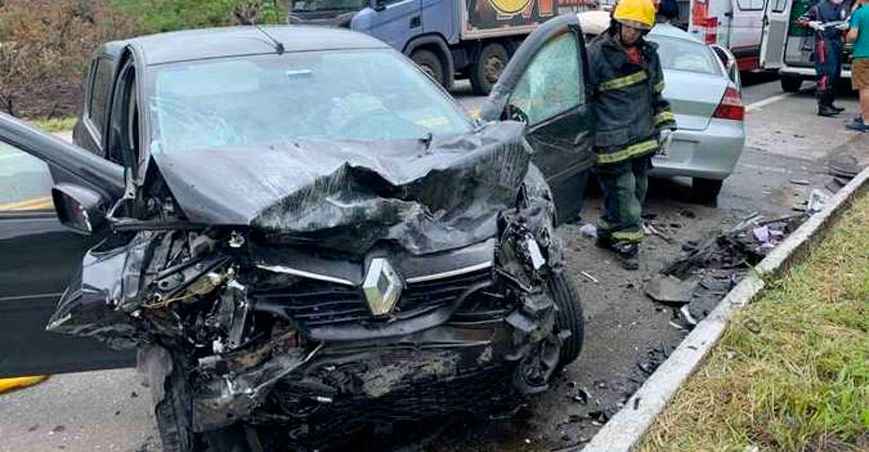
(792, 370)
(45, 45)
(55, 124)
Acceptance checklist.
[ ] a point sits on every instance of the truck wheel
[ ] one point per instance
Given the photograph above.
(569, 317)
(791, 84)
(488, 67)
(430, 64)
(705, 191)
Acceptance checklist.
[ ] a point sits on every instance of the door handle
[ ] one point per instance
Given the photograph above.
(415, 22)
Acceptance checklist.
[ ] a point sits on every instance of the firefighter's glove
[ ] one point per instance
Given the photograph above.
(816, 25)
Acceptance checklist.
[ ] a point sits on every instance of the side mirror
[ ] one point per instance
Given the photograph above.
(378, 5)
(79, 208)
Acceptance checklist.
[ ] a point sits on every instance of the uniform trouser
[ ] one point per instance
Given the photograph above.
(828, 68)
(624, 187)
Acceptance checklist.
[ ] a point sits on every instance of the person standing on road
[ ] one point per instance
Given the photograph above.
(859, 35)
(828, 51)
(633, 120)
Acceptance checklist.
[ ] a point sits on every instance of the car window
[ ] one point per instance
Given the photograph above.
(99, 93)
(751, 5)
(779, 6)
(25, 182)
(334, 95)
(552, 82)
(685, 55)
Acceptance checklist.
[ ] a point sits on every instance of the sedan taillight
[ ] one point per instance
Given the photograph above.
(731, 106)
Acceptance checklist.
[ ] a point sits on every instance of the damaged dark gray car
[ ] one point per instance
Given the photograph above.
(298, 229)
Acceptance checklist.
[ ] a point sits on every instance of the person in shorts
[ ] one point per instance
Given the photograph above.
(859, 35)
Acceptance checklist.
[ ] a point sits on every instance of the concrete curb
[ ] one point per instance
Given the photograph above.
(625, 430)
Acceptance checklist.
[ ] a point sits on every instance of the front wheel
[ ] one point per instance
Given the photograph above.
(488, 67)
(569, 317)
(706, 190)
(430, 64)
(790, 84)
(173, 409)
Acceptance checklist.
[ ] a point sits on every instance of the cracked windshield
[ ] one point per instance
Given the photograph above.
(367, 95)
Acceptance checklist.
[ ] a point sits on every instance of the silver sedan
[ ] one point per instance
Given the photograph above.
(704, 89)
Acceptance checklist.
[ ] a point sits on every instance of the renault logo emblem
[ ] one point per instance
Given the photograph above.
(382, 286)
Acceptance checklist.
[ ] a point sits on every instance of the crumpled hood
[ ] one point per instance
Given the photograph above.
(349, 195)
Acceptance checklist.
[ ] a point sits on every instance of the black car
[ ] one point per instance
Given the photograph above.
(296, 229)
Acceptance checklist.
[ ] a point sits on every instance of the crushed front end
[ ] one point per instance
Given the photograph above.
(249, 328)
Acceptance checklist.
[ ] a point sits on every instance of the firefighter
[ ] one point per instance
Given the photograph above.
(827, 51)
(633, 120)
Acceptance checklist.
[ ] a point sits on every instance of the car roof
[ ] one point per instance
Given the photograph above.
(670, 31)
(596, 22)
(224, 42)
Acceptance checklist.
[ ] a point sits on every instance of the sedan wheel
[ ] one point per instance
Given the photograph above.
(706, 191)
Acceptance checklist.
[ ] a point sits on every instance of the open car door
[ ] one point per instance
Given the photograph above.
(544, 87)
(40, 176)
(776, 21)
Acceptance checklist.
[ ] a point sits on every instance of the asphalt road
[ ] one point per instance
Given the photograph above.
(110, 410)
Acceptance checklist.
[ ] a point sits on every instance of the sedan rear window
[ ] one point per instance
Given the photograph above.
(330, 95)
(684, 55)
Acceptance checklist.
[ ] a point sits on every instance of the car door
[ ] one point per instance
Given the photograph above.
(776, 20)
(39, 256)
(544, 86)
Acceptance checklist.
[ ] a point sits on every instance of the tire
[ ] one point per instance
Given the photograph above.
(485, 71)
(174, 417)
(705, 191)
(431, 64)
(569, 317)
(791, 84)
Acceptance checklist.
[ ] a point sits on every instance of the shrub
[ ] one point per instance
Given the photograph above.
(45, 46)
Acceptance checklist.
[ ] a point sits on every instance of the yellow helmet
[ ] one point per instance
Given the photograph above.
(635, 13)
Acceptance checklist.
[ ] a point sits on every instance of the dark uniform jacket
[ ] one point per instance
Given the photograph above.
(826, 11)
(627, 100)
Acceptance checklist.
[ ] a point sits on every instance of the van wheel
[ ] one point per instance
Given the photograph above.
(430, 64)
(569, 317)
(791, 84)
(705, 191)
(488, 67)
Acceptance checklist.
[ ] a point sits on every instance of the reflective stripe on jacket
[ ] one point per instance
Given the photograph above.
(628, 104)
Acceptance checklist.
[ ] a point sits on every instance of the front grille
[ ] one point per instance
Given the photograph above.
(318, 303)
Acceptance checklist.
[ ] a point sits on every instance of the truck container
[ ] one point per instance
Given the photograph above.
(448, 39)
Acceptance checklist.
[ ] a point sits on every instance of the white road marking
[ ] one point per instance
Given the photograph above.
(767, 101)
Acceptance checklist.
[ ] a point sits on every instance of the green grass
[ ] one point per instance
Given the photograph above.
(792, 370)
(55, 124)
(169, 15)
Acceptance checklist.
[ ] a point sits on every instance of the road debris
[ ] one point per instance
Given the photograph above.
(707, 270)
(845, 166)
(800, 182)
(588, 230)
(591, 278)
(669, 289)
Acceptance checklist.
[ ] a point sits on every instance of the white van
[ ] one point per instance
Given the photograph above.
(735, 24)
(788, 47)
